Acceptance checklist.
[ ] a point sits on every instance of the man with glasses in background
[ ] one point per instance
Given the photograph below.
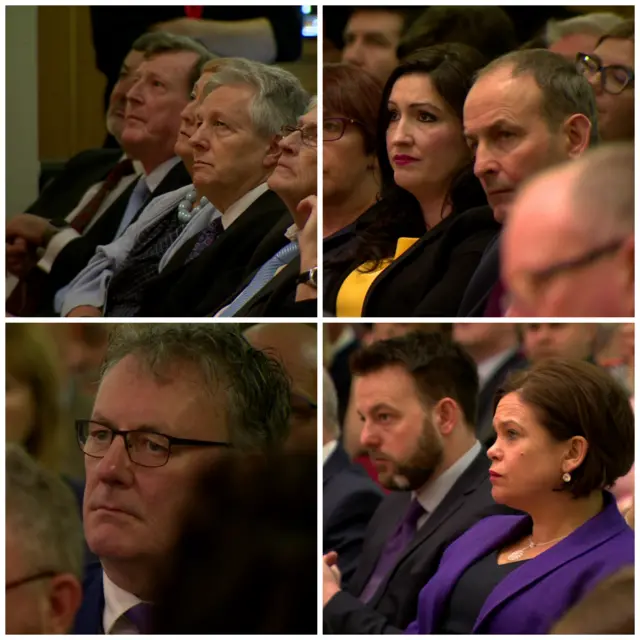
(44, 549)
(172, 400)
(568, 246)
(610, 72)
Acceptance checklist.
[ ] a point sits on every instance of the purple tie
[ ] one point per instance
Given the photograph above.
(395, 545)
(206, 238)
(141, 616)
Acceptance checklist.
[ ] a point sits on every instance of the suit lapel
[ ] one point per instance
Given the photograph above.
(591, 534)
(89, 616)
(452, 502)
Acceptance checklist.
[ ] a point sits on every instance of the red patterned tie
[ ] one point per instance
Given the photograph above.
(194, 12)
(88, 212)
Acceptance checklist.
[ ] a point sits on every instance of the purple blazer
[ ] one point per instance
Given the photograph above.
(538, 593)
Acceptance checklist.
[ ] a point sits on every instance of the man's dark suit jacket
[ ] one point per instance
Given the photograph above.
(429, 279)
(484, 423)
(482, 282)
(61, 196)
(395, 603)
(205, 283)
(89, 617)
(277, 299)
(349, 499)
(77, 253)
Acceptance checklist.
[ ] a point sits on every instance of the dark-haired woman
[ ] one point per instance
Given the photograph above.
(431, 224)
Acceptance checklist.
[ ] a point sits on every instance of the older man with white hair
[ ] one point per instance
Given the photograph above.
(164, 266)
(44, 549)
(568, 246)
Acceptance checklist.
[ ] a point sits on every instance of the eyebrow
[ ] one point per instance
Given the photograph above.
(147, 428)
(382, 405)
(415, 105)
(497, 124)
(504, 423)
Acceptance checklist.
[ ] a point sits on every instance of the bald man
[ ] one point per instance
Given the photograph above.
(568, 246)
(296, 347)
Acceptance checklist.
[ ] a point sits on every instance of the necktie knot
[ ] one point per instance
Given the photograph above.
(141, 616)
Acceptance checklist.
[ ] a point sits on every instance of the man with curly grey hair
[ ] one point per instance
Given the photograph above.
(172, 400)
(44, 549)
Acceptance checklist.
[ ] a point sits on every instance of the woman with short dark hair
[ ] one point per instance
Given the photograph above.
(415, 251)
(565, 433)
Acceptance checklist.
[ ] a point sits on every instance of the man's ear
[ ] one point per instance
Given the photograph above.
(577, 132)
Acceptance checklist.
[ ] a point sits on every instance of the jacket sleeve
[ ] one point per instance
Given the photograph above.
(345, 614)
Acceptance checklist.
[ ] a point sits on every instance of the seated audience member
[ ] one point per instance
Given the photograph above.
(580, 34)
(262, 523)
(610, 70)
(418, 255)
(487, 29)
(172, 400)
(372, 36)
(245, 108)
(151, 125)
(495, 349)
(558, 340)
(119, 271)
(606, 610)
(565, 433)
(33, 407)
(349, 496)
(44, 549)
(568, 247)
(351, 183)
(552, 118)
(286, 283)
(295, 347)
(416, 395)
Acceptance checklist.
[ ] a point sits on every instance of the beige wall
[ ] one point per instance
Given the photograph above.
(21, 115)
(71, 88)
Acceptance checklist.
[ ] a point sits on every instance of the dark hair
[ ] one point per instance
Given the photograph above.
(408, 14)
(246, 557)
(451, 68)
(256, 386)
(624, 31)
(487, 29)
(439, 367)
(353, 93)
(565, 91)
(576, 398)
(153, 44)
(607, 609)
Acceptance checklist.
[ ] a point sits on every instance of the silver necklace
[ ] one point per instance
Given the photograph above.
(514, 556)
(186, 210)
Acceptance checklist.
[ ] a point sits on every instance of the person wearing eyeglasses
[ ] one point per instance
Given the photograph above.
(285, 283)
(568, 246)
(44, 549)
(172, 400)
(610, 71)
(417, 255)
(351, 181)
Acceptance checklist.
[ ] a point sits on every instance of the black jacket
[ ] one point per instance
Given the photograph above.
(486, 276)
(429, 279)
(349, 499)
(204, 284)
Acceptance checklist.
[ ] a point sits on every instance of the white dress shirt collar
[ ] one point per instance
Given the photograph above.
(117, 602)
(488, 367)
(159, 173)
(327, 450)
(433, 493)
(241, 205)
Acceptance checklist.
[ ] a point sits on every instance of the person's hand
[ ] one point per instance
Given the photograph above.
(180, 26)
(308, 235)
(21, 258)
(84, 311)
(33, 229)
(330, 576)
